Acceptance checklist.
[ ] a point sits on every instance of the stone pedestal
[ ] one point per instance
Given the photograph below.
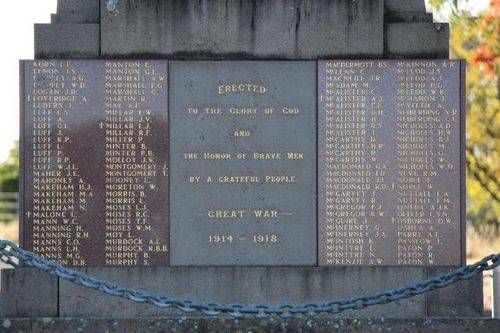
(225, 29)
(27, 292)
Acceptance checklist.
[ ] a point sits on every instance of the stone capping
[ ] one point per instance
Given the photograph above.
(261, 29)
(420, 40)
(78, 30)
(77, 11)
(67, 40)
(407, 17)
(405, 5)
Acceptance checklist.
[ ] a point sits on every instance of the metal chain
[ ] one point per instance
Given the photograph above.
(111, 5)
(10, 251)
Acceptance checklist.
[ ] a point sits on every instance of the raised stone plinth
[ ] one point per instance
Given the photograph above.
(197, 324)
(30, 293)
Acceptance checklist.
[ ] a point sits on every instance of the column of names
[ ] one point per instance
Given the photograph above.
(96, 161)
(389, 162)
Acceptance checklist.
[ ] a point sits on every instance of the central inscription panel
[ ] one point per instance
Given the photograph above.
(243, 163)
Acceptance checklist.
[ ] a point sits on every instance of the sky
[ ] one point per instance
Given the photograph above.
(16, 25)
(16, 37)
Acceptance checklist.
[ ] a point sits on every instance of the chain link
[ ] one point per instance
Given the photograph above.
(10, 252)
(111, 5)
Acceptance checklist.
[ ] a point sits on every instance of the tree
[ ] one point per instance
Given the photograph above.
(9, 171)
(476, 40)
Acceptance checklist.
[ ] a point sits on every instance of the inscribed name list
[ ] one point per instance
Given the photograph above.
(94, 153)
(391, 174)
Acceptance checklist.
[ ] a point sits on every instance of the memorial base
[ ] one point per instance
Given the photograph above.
(198, 324)
(30, 293)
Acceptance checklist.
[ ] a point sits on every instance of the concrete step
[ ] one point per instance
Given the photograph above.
(203, 324)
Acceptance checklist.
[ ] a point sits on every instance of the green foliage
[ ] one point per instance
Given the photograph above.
(475, 39)
(436, 4)
(9, 171)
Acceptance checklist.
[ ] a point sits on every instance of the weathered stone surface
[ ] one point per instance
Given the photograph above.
(267, 129)
(224, 29)
(360, 277)
(407, 17)
(248, 285)
(77, 11)
(462, 299)
(226, 325)
(405, 5)
(27, 292)
(66, 41)
(417, 40)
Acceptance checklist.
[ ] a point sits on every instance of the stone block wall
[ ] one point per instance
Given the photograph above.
(227, 29)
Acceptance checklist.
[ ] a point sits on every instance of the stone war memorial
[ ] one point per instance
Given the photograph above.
(259, 157)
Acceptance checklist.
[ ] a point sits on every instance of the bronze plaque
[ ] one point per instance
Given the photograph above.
(390, 164)
(94, 152)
